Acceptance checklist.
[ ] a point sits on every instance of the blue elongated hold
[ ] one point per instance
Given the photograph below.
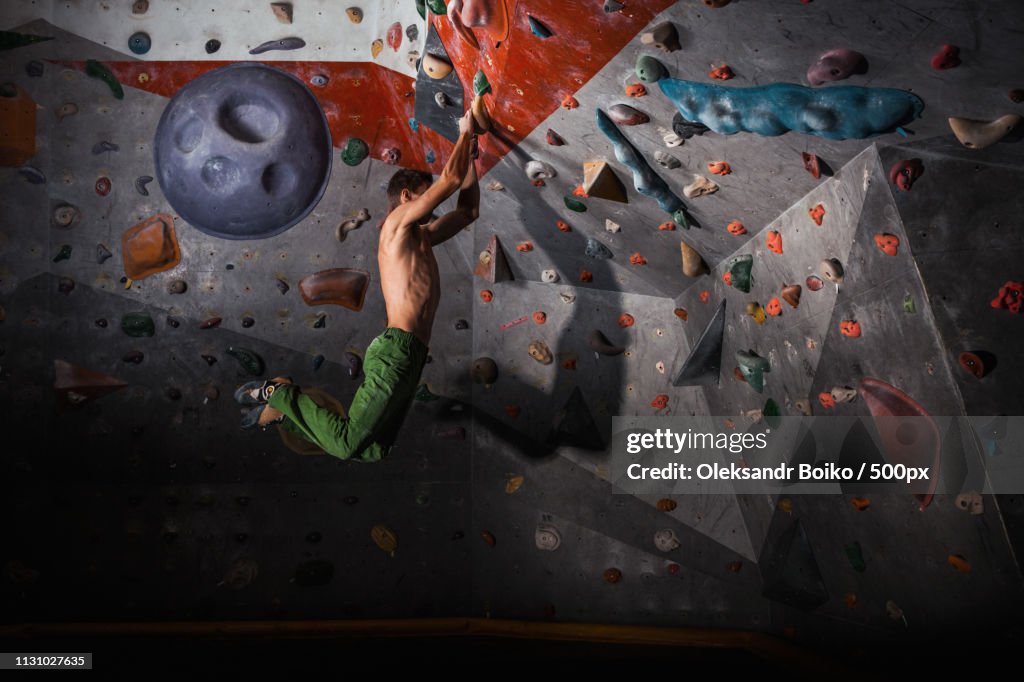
(539, 29)
(646, 181)
(839, 113)
(283, 44)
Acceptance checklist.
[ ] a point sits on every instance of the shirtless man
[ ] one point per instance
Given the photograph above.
(410, 282)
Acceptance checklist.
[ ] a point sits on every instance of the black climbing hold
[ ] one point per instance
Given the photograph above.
(35, 68)
(172, 393)
(65, 285)
(318, 361)
(101, 323)
(291, 43)
(177, 286)
(355, 365)
(412, 32)
(212, 46)
(247, 322)
(8, 90)
(612, 6)
(574, 424)
(140, 184)
(63, 254)
(703, 365)
(599, 343)
(210, 360)
(791, 573)
(32, 174)
(229, 266)
(321, 322)
(282, 286)
(173, 323)
(140, 43)
(104, 146)
(687, 129)
(461, 324)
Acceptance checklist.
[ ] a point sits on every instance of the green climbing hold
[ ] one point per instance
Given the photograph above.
(908, 304)
(421, 8)
(10, 39)
(856, 557)
(438, 7)
(138, 325)
(739, 272)
(650, 70)
(63, 254)
(355, 152)
(753, 368)
(96, 70)
(772, 414)
(481, 85)
(574, 205)
(424, 395)
(250, 361)
(681, 218)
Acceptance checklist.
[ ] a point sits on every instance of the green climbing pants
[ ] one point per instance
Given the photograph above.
(393, 365)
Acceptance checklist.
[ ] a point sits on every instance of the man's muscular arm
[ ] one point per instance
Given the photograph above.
(466, 211)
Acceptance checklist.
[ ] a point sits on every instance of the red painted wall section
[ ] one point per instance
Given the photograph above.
(529, 75)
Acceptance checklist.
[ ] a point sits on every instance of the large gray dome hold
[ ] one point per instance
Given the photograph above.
(243, 152)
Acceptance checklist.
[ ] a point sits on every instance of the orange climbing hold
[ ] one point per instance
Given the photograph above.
(826, 400)
(539, 182)
(736, 228)
(487, 295)
(850, 600)
(563, 226)
(667, 226)
(637, 259)
(512, 410)
(719, 168)
(636, 90)
(774, 241)
(727, 277)
(586, 276)
(721, 73)
(817, 213)
(774, 307)
(850, 328)
(540, 317)
(860, 503)
(660, 401)
(665, 504)
(626, 320)
(959, 563)
(580, 192)
(524, 247)
(888, 243)
(705, 296)
(570, 102)
(681, 314)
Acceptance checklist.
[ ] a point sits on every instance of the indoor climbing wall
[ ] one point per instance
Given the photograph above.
(687, 208)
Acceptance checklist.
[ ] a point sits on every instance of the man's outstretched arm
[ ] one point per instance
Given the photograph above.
(466, 210)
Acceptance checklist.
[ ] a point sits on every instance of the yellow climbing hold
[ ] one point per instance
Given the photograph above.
(514, 483)
(376, 46)
(385, 538)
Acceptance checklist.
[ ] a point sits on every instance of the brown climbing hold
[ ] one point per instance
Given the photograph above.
(887, 243)
(514, 483)
(812, 164)
(754, 310)
(540, 352)
(612, 576)
(140, 6)
(355, 15)
(791, 294)
(980, 134)
(283, 11)
(149, 247)
(637, 259)
(663, 37)
(210, 323)
(666, 505)
(103, 186)
(667, 226)
(736, 228)
(973, 364)
(484, 371)
(492, 264)
(76, 385)
(600, 181)
(850, 329)
(774, 241)
(817, 214)
(681, 313)
(660, 401)
(626, 320)
(435, 67)
(719, 168)
(539, 317)
(376, 47)
(586, 276)
(860, 503)
(337, 286)
(570, 102)
(693, 263)
(599, 343)
(569, 363)
(774, 307)
(385, 538)
(513, 411)
(959, 563)
(554, 139)
(486, 295)
(1016, 96)
(721, 73)
(636, 90)
(625, 115)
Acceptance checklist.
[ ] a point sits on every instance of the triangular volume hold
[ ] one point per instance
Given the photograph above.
(76, 385)
(791, 573)
(703, 366)
(492, 264)
(600, 182)
(575, 426)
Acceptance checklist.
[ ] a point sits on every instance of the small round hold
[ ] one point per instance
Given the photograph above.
(173, 393)
(319, 80)
(103, 186)
(461, 324)
(314, 537)
(178, 286)
(973, 363)
(612, 576)
(140, 42)
(140, 6)
(209, 360)
(211, 393)
(35, 68)
(173, 323)
(65, 285)
(101, 323)
(484, 371)
(212, 45)
(248, 322)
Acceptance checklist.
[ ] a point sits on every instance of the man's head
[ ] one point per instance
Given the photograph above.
(407, 185)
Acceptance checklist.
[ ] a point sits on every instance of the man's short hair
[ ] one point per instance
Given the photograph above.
(406, 178)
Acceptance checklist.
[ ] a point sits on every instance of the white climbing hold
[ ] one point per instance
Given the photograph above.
(495, 186)
(567, 297)
(666, 160)
(666, 540)
(547, 537)
(699, 187)
(611, 226)
(549, 276)
(538, 170)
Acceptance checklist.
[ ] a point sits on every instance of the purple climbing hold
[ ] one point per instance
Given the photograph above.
(836, 65)
(625, 115)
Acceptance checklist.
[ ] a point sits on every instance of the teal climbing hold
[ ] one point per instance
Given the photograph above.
(645, 180)
(574, 205)
(138, 325)
(355, 152)
(771, 413)
(10, 39)
(249, 360)
(650, 70)
(538, 28)
(96, 70)
(753, 368)
(481, 85)
(431, 157)
(63, 254)
(856, 556)
(140, 43)
(681, 218)
(424, 395)
(438, 7)
(740, 277)
(414, 124)
(421, 9)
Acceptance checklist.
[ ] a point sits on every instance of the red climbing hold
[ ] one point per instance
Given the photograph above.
(814, 283)
(103, 186)
(586, 276)
(626, 320)
(774, 307)
(972, 364)
(904, 173)
(705, 296)
(539, 182)
(570, 102)
(736, 228)
(721, 73)
(524, 247)
(774, 241)
(817, 214)
(554, 139)
(563, 226)
(486, 295)
(636, 90)
(719, 168)
(727, 278)
(569, 363)
(888, 243)
(681, 314)
(812, 164)
(580, 192)
(737, 374)
(394, 36)
(667, 226)
(512, 410)
(826, 400)
(637, 259)
(540, 317)
(850, 329)
(947, 57)
(1010, 296)
(673, 568)
(660, 402)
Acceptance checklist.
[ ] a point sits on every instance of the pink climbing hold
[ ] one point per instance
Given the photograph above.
(391, 155)
(947, 57)
(394, 36)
